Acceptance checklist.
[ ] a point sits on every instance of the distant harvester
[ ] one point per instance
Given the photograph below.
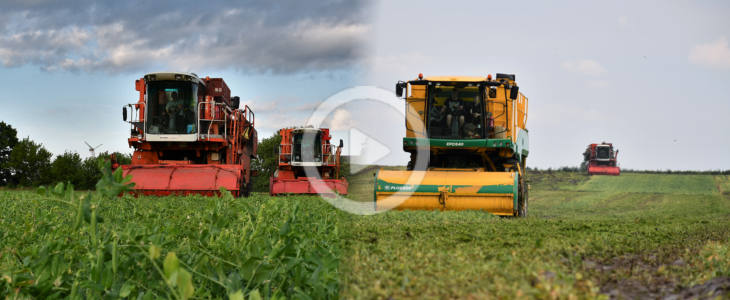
(600, 159)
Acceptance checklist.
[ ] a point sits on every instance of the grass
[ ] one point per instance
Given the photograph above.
(169, 247)
(586, 237)
(678, 184)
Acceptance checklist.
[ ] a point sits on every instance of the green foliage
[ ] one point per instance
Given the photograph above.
(345, 167)
(29, 163)
(112, 183)
(92, 168)
(266, 163)
(583, 234)
(57, 244)
(8, 140)
(67, 167)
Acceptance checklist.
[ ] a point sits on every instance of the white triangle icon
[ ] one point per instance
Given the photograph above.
(364, 151)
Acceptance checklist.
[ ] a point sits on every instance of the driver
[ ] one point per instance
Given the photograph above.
(454, 108)
(173, 108)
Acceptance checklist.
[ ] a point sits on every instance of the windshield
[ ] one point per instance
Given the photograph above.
(171, 107)
(603, 152)
(455, 112)
(307, 147)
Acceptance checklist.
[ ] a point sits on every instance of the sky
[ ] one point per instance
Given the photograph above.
(649, 76)
(652, 77)
(67, 69)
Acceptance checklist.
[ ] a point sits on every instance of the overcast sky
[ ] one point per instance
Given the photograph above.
(653, 77)
(650, 76)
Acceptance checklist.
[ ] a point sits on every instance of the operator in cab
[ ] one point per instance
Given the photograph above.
(454, 109)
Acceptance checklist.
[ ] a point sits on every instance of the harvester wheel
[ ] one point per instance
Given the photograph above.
(247, 186)
(411, 163)
(522, 199)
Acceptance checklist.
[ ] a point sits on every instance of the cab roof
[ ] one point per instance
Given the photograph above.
(156, 76)
(456, 78)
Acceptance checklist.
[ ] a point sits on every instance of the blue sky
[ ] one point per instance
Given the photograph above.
(69, 68)
(650, 76)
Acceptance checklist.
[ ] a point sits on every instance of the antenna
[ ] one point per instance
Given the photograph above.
(92, 149)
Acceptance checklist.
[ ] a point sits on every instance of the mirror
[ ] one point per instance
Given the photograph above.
(235, 102)
(513, 92)
(399, 89)
(124, 114)
(341, 144)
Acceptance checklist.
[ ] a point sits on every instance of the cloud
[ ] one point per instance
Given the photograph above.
(583, 66)
(714, 55)
(341, 120)
(623, 21)
(258, 36)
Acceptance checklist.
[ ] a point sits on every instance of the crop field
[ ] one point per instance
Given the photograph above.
(170, 247)
(635, 235)
(597, 236)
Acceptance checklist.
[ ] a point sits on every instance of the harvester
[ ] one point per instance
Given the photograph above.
(471, 134)
(189, 137)
(307, 163)
(600, 159)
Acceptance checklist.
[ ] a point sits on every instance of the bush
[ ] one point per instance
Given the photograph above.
(8, 140)
(67, 167)
(266, 162)
(29, 164)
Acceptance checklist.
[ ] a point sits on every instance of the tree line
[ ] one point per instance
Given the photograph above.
(25, 163)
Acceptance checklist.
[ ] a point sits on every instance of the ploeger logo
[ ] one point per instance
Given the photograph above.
(454, 143)
(389, 187)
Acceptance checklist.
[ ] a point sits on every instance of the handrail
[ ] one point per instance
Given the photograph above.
(284, 153)
(214, 113)
(249, 115)
(327, 150)
(134, 119)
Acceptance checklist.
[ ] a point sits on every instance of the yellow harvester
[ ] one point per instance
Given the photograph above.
(468, 143)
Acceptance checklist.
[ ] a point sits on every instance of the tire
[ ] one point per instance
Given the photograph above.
(411, 163)
(522, 199)
(247, 187)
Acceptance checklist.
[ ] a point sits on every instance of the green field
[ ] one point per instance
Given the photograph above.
(585, 237)
(170, 247)
(631, 236)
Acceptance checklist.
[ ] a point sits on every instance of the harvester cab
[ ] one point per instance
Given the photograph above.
(601, 159)
(473, 130)
(307, 163)
(189, 136)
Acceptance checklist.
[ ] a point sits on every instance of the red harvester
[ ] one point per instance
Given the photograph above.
(307, 149)
(600, 159)
(189, 137)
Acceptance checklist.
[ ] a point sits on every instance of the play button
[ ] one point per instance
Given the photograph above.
(364, 151)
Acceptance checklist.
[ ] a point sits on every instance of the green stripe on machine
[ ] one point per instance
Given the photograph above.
(455, 143)
(383, 186)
